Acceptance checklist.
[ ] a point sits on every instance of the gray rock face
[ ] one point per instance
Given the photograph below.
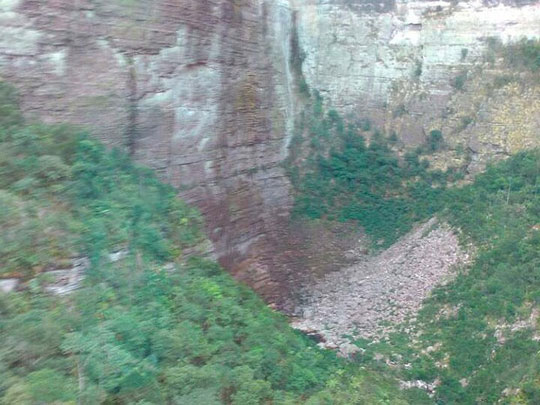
(199, 90)
(65, 281)
(395, 66)
(356, 57)
(202, 90)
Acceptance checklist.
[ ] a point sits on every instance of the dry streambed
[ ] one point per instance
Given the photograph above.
(367, 299)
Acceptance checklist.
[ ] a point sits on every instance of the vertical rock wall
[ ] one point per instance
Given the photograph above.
(197, 89)
(202, 90)
(395, 62)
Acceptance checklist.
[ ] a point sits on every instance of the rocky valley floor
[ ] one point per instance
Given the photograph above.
(367, 299)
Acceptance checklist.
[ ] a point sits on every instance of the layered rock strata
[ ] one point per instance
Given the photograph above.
(203, 91)
(415, 66)
(200, 91)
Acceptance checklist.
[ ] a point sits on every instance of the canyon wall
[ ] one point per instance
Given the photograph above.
(202, 91)
(415, 66)
(199, 90)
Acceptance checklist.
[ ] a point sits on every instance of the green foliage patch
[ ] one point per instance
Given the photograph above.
(153, 327)
(523, 54)
(343, 177)
(457, 338)
(474, 322)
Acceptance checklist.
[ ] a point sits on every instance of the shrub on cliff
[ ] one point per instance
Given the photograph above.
(523, 54)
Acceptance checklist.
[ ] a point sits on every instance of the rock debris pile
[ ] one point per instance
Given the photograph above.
(369, 298)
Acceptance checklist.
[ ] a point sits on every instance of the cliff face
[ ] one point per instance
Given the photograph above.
(202, 90)
(415, 66)
(198, 90)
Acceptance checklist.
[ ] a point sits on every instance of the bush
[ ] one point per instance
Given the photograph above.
(524, 54)
(10, 114)
(435, 140)
(459, 81)
(366, 183)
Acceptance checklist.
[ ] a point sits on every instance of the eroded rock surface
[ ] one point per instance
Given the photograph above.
(203, 91)
(199, 90)
(65, 281)
(396, 63)
(369, 298)
(9, 285)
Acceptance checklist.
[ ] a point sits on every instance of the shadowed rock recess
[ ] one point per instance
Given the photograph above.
(204, 92)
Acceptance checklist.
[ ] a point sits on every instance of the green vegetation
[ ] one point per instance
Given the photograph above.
(152, 328)
(523, 55)
(496, 296)
(502, 80)
(458, 82)
(418, 69)
(344, 178)
(296, 60)
(465, 122)
(435, 140)
(475, 335)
